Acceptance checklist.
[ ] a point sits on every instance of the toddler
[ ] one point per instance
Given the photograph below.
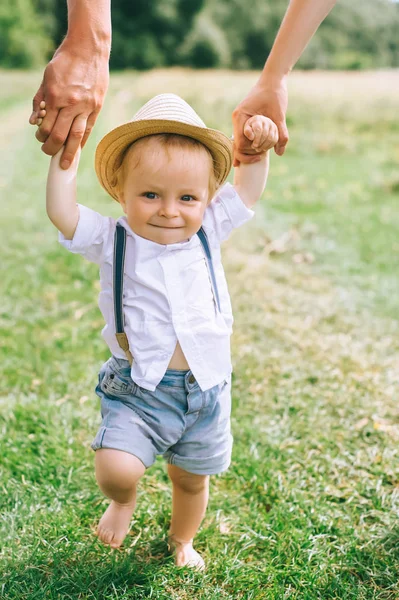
(166, 387)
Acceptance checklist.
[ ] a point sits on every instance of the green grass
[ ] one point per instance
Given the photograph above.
(309, 507)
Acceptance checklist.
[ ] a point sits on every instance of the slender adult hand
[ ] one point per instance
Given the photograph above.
(73, 89)
(270, 99)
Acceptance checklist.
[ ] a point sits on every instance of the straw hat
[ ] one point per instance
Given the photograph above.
(165, 113)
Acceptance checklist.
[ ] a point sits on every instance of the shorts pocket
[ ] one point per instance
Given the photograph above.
(115, 384)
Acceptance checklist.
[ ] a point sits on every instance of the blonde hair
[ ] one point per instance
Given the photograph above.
(166, 141)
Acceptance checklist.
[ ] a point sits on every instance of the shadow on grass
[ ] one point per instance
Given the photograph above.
(69, 571)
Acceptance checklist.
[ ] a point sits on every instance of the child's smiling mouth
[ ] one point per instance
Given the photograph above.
(165, 226)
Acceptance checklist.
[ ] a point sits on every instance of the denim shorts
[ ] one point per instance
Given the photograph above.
(189, 427)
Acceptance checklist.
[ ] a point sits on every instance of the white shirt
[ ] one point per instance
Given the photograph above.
(167, 292)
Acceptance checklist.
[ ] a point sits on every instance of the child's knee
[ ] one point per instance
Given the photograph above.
(117, 469)
(190, 483)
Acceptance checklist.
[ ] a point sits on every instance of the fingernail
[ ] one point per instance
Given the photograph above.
(65, 164)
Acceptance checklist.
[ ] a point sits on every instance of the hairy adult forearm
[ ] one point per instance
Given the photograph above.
(300, 22)
(89, 24)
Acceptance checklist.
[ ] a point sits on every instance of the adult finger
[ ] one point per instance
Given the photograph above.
(239, 121)
(242, 142)
(59, 132)
(74, 140)
(283, 138)
(89, 126)
(247, 159)
(244, 153)
(47, 124)
(274, 134)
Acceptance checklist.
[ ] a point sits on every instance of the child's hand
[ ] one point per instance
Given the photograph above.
(262, 132)
(41, 114)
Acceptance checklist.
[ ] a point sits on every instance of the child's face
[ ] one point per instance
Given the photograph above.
(165, 191)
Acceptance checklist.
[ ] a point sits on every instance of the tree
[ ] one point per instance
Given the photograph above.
(206, 45)
(23, 40)
(355, 36)
(147, 33)
(206, 33)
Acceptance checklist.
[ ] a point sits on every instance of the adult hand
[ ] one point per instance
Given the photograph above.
(269, 98)
(73, 89)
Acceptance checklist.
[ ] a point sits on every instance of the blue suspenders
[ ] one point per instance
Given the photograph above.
(207, 250)
(119, 260)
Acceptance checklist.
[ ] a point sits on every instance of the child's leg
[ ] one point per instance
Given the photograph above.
(189, 502)
(117, 475)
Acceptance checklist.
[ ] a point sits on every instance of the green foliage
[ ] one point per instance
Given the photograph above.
(206, 45)
(356, 36)
(53, 15)
(147, 34)
(250, 30)
(23, 41)
(206, 33)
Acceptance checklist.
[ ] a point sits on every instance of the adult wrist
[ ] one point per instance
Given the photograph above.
(271, 79)
(275, 72)
(96, 43)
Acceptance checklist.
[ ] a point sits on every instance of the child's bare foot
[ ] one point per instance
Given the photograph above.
(114, 524)
(185, 555)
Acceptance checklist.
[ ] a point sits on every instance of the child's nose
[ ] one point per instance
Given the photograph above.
(169, 209)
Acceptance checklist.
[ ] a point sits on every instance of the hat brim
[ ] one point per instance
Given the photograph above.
(110, 150)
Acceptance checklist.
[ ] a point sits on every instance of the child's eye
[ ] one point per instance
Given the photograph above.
(187, 198)
(150, 195)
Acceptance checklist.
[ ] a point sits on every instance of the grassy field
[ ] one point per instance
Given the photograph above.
(309, 508)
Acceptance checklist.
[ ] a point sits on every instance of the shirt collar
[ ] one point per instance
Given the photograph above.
(158, 248)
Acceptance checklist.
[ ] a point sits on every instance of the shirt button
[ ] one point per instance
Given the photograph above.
(191, 379)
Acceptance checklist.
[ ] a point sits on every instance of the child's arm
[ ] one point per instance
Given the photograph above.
(250, 179)
(61, 205)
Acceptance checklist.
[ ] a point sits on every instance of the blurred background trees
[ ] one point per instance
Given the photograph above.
(206, 33)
